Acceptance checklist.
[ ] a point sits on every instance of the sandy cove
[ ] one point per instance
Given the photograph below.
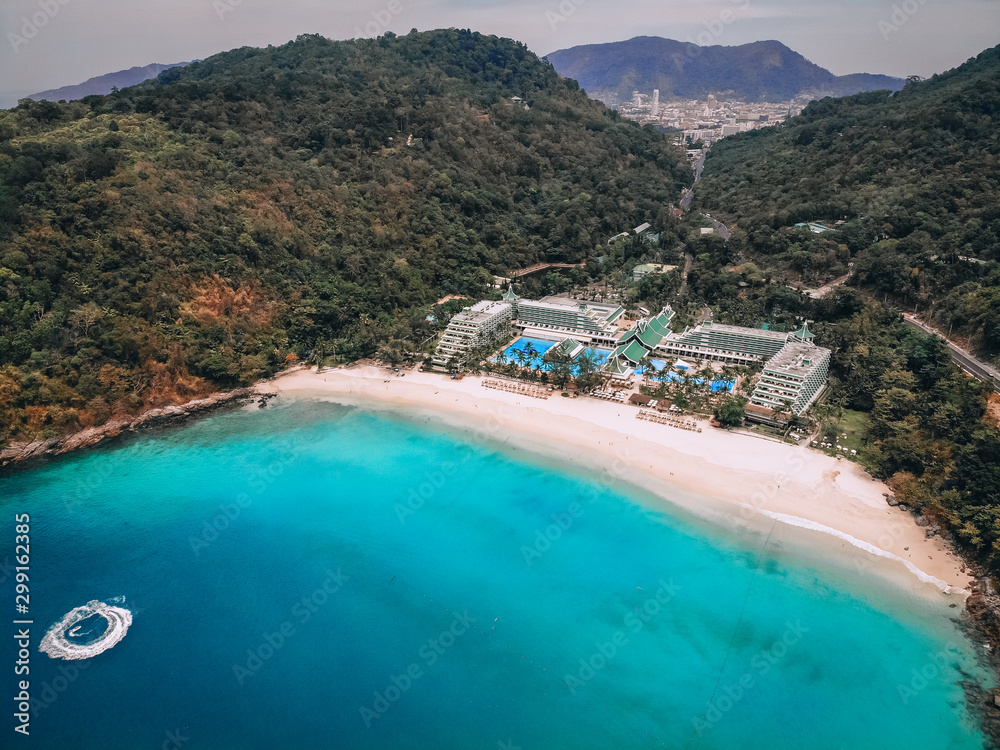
(749, 478)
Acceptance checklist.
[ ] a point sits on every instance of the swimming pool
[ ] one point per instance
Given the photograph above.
(717, 386)
(534, 351)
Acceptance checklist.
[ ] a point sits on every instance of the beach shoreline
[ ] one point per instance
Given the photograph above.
(726, 478)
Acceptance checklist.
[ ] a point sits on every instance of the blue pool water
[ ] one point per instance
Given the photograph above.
(659, 366)
(317, 576)
(536, 349)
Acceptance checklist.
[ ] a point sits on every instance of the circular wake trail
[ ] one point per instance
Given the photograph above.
(55, 644)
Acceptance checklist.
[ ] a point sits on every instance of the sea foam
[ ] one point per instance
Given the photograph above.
(802, 523)
(55, 644)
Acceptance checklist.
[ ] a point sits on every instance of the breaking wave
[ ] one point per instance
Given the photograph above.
(56, 644)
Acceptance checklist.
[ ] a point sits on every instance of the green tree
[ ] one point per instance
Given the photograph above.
(731, 410)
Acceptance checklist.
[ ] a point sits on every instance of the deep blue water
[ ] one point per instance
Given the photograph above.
(316, 576)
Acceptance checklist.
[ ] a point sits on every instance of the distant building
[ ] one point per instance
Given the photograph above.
(475, 326)
(619, 372)
(655, 109)
(814, 227)
(708, 230)
(571, 348)
(643, 230)
(648, 269)
(795, 369)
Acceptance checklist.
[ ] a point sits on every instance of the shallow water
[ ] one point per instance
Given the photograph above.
(314, 575)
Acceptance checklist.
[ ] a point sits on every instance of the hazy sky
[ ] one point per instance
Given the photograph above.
(51, 43)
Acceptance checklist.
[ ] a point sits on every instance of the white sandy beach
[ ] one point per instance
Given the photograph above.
(749, 478)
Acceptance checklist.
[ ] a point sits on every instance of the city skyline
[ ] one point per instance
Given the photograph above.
(53, 43)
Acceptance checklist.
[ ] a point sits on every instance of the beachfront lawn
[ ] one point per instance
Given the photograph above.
(839, 422)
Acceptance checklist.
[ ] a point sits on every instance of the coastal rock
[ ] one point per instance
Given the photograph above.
(112, 428)
(923, 521)
(116, 426)
(893, 502)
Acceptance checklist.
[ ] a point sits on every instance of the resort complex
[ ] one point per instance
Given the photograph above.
(794, 368)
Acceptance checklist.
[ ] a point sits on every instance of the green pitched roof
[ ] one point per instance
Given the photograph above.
(633, 352)
(509, 294)
(630, 335)
(804, 334)
(617, 367)
(649, 337)
(570, 347)
(659, 326)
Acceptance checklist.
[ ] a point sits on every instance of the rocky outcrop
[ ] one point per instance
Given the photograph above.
(118, 425)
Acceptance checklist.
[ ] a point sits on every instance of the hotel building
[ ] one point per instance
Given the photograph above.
(722, 343)
(475, 326)
(593, 323)
(791, 381)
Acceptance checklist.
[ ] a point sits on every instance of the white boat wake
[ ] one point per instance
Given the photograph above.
(55, 644)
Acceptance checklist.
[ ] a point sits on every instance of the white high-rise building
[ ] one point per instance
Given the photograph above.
(656, 103)
(475, 326)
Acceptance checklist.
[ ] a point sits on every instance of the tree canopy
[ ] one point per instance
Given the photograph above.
(187, 234)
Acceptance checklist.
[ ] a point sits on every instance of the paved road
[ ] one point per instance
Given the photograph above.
(971, 364)
(688, 260)
(688, 195)
(827, 288)
(721, 228)
(699, 166)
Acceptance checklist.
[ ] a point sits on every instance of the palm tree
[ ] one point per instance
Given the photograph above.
(561, 364)
(521, 356)
(646, 366)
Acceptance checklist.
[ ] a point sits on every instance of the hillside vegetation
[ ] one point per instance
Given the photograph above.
(189, 233)
(917, 177)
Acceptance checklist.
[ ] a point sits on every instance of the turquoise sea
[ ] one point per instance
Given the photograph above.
(312, 575)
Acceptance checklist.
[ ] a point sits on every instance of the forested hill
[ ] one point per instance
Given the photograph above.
(915, 174)
(190, 232)
(760, 71)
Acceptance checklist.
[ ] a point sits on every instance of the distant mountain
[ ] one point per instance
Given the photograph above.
(106, 83)
(762, 71)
